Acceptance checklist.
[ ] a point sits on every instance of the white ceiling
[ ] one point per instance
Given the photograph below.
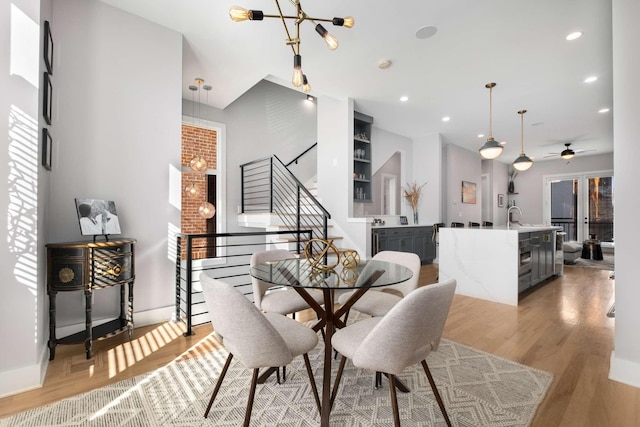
(519, 44)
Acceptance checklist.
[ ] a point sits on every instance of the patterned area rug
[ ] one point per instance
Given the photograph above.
(479, 389)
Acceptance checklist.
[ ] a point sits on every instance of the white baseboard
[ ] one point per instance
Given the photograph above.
(32, 377)
(624, 371)
(25, 378)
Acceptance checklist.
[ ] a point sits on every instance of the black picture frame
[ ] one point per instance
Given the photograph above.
(48, 97)
(48, 47)
(47, 148)
(403, 220)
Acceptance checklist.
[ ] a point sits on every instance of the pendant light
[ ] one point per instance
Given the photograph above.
(523, 162)
(492, 148)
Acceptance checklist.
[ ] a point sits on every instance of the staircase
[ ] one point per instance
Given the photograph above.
(274, 199)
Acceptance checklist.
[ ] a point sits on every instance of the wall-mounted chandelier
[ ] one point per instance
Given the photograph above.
(238, 14)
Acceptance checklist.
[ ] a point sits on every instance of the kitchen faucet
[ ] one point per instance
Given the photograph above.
(509, 214)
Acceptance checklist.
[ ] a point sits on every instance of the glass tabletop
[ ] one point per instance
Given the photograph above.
(298, 272)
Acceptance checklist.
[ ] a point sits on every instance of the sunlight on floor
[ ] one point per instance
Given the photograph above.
(128, 354)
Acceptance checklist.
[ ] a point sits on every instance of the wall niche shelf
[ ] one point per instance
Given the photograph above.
(362, 190)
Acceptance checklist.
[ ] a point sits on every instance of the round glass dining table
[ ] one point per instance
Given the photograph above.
(299, 274)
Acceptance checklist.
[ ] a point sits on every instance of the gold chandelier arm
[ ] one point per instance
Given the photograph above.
(286, 30)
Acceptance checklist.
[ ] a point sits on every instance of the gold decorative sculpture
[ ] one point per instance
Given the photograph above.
(350, 258)
(315, 257)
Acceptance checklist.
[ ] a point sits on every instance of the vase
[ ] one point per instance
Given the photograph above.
(415, 217)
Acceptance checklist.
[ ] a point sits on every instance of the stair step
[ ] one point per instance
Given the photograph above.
(293, 239)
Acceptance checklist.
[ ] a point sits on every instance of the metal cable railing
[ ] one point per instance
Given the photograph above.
(231, 264)
(269, 186)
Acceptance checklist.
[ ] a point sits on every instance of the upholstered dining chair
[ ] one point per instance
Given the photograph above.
(403, 337)
(457, 224)
(378, 301)
(256, 339)
(474, 224)
(282, 301)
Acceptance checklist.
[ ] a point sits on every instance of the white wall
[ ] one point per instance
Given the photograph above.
(529, 184)
(426, 162)
(625, 361)
(462, 165)
(23, 302)
(499, 180)
(117, 130)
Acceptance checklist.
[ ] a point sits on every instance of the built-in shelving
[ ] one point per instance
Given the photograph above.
(362, 190)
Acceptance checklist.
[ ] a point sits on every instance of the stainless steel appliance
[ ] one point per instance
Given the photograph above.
(524, 262)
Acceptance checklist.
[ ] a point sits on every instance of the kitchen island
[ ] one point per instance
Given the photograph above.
(497, 264)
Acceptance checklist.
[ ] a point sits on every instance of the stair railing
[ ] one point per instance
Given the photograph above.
(269, 186)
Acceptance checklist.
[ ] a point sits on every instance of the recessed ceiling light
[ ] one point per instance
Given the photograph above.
(503, 142)
(603, 110)
(426, 32)
(310, 98)
(574, 35)
(404, 98)
(446, 119)
(481, 135)
(590, 79)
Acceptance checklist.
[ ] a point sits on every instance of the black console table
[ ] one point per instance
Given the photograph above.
(89, 266)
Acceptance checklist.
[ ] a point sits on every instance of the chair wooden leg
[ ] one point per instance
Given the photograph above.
(394, 400)
(378, 381)
(218, 384)
(436, 392)
(252, 393)
(336, 384)
(312, 381)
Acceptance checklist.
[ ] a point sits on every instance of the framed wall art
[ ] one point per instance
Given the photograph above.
(501, 200)
(47, 148)
(48, 47)
(469, 192)
(48, 97)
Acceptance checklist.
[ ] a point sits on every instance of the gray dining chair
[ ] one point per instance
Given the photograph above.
(284, 300)
(256, 339)
(403, 337)
(378, 301)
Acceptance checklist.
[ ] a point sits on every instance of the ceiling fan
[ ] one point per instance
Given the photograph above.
(568, 153)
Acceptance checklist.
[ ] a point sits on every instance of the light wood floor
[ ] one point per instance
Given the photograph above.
(561, 327)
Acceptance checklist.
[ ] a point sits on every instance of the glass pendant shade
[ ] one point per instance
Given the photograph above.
(198, 164)
(491, 149)
(207, 210)
(191, 190)
(523, 162)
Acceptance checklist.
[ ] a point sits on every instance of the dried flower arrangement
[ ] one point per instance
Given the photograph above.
(412, 194)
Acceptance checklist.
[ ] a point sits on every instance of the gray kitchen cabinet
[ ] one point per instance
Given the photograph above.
(542, 256)
(405, 239)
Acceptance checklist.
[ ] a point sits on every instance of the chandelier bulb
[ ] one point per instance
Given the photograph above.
(330, 40)
(298, 77)
(239, 14)
(191, 189)
(306, 87)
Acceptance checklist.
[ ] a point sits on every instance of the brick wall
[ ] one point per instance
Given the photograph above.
(196, 141)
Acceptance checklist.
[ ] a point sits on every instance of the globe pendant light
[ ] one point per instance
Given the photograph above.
(523, 162)
(492, 148)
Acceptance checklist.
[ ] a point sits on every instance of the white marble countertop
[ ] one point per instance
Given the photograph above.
(373, 226)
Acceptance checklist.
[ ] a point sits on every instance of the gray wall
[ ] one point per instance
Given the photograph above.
(462, 165)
